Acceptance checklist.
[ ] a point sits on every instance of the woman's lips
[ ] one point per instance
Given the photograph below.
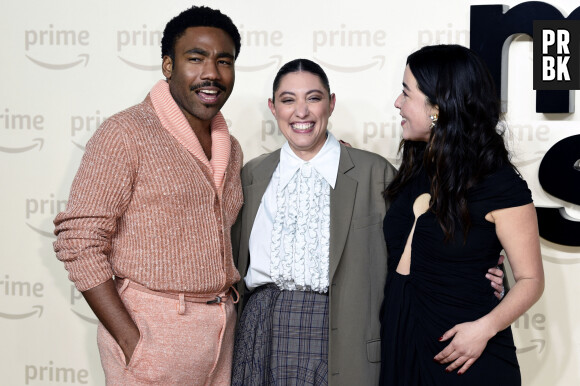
(302, 127)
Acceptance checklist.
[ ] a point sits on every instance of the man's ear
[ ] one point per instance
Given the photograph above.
(167, 66)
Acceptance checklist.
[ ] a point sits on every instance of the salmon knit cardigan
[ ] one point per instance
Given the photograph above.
(143, 207)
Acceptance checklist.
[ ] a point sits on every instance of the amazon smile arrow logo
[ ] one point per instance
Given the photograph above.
(39, 143)
(541, 343)
(538, 157)
(41, 232)
(378, 60)
(38, 311)
(51, 66)
(78, 145)
(138, 66)
(276, 62)
(86, 318)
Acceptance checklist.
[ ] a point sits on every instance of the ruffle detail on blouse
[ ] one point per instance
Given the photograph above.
(300, 247)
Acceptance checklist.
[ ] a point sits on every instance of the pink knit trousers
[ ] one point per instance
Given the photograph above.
(178, 346)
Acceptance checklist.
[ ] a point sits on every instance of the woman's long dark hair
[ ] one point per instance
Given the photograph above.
(465, 145)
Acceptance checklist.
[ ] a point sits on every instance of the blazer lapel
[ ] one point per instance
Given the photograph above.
(253, 193)
(342, 199)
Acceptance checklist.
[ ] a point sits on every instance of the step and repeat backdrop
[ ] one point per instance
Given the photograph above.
(68, 65)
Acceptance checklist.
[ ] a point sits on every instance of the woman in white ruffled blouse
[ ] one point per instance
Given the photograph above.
(311, 248)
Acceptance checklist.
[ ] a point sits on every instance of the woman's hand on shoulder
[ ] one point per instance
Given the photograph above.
(345, 143)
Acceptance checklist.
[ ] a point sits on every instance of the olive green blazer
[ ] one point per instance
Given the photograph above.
(358, 257)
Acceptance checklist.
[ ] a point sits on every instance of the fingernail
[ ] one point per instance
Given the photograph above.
(447, 370)
(440, 339)
(458, 373)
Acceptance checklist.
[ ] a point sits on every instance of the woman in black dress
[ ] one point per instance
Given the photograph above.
(456, 202)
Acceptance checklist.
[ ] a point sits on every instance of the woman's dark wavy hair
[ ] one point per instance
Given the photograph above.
(300, 65)
(197, 16)
(465, 145)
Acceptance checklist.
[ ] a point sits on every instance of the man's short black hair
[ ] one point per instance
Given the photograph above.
(197, 17)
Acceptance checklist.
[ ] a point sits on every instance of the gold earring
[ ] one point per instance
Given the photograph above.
(434, 119)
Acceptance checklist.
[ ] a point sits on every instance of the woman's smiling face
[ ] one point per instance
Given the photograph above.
(302, 107)
(415, 110)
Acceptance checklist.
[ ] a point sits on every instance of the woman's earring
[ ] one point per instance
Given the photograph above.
(434, 119)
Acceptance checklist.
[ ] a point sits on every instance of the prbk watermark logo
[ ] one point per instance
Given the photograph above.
(556, 55)
(13, 292)
(20, 131)
(530, 325)
(355, 39)
(35, 374)
(35, 207)
(83, 126)
(55, 48)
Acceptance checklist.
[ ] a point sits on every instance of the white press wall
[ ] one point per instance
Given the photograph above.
(67, 65)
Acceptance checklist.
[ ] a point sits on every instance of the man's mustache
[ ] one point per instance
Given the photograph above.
(208, 84)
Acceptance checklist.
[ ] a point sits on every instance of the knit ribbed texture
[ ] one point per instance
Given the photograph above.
(175, 122)
(142, 207)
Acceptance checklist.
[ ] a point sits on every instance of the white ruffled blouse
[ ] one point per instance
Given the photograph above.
(290, 238)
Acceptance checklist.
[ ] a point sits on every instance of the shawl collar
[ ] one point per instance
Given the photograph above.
(173, 120)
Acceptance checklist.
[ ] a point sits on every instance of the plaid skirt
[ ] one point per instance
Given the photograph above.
(282, 339)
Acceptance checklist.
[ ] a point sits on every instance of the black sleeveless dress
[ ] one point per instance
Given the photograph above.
(446, 286)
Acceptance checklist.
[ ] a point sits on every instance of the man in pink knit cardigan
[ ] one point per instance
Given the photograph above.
(146, 232)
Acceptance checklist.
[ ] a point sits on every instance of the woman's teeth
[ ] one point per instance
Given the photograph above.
(302, 126)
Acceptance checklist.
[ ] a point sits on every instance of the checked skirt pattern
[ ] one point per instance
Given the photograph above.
(282, 339)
